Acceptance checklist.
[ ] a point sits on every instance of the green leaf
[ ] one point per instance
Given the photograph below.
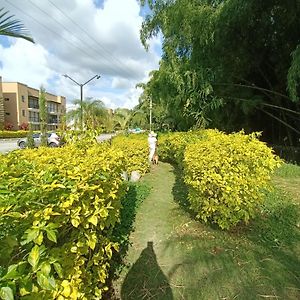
(45, 282)
(58, 269)
(6, 293)
(93, 219)
(12, 272)
(45, 268)
(34, 256)
(30, 235)
(51, 235)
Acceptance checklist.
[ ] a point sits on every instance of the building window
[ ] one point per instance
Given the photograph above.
(34, 117)
(8, 114)
(52, 107)
(23, 98)
(33, 102)
(6, 99)
(52, 119)
(23, 113)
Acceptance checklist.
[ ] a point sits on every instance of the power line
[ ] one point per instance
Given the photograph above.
(92, 38)
(71, 33)
(54, 32)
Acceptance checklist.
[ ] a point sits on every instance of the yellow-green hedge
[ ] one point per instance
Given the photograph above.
(5, 134)
(57, 210)
(135, 150)
(226, 176)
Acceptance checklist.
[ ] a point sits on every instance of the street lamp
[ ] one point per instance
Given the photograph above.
(81, 94)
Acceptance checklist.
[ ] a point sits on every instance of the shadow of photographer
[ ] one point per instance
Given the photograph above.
(145, 279)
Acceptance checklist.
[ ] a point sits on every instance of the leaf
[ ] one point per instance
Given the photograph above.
(45, 282)
(34, 256)
(51, 235)
(45, 268)
(6, 293)
(58, 269)
(12, 272)
(93, 219)
(75, 222)
(30, 235)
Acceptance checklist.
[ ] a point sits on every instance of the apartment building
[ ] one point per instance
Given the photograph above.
(21, 107)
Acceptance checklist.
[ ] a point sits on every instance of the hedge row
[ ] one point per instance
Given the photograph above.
(12, 134)
(226, 175)
(135, 150)
(58, 208)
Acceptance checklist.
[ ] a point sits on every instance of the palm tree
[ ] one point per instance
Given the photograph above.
(94, 113)
(12, 27)
(122, 117)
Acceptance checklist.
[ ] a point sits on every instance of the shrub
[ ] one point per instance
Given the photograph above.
(58, 208)
(226, 176)
(12, 134)
(136, 152)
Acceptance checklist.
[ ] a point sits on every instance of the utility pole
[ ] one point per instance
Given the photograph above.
(150, 113)
(81, 95)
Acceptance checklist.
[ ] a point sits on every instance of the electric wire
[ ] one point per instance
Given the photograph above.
(92, 38)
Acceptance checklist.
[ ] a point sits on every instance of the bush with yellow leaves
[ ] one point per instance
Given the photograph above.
(57, 210)
(226, 176)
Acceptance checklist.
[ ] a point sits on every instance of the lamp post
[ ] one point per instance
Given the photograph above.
(81, 94)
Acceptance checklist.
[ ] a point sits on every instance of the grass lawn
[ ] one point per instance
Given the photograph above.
(172, 256)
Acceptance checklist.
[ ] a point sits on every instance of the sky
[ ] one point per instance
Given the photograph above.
(80, 38)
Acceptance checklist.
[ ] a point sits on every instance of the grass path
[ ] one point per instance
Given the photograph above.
(174, 257)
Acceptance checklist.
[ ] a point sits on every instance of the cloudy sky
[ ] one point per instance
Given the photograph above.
(80, 38)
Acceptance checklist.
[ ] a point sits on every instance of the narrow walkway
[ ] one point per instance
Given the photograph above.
(151, 260)
(174, 257)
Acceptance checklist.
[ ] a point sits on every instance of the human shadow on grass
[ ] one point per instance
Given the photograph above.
(145, 279)
(258, 260)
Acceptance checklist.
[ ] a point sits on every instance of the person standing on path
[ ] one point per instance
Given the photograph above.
(152, 144)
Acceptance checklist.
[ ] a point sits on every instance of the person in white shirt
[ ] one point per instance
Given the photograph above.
(152, 140)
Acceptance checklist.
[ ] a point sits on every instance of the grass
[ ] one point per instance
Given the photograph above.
(175, 257)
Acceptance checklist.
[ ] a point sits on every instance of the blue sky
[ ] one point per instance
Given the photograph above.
(81, 39)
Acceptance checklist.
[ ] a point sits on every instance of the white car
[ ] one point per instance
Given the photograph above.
(53, 140)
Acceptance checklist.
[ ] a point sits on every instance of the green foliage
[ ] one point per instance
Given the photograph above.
(226, 176)
(12, 134)
(43, 116)
(57, 211)
(135, 195)
(30, 140)
(288, 171)
(215, 72)
(12, 27)
(135, 149)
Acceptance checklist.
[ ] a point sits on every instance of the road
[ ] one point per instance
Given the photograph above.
(8, 145)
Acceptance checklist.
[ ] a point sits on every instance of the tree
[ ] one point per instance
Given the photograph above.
(11, 27)
(94, 113)
(228, 64)
(43, 116)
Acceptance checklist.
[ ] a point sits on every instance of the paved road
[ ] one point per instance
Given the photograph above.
(8, 145)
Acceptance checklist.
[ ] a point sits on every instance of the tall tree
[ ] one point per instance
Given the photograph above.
(228, 64)
(94, 113)
(43, 116)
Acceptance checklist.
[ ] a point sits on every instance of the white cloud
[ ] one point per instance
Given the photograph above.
(107, 43)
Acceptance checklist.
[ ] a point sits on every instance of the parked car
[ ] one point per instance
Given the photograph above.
(53, 140)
